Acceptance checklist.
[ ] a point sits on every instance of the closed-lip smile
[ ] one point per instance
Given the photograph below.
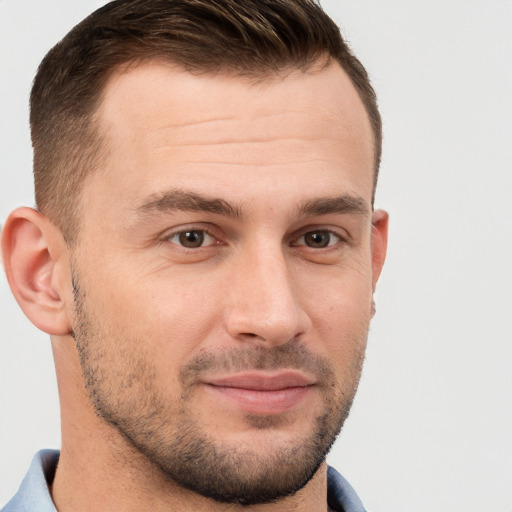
(258, 392)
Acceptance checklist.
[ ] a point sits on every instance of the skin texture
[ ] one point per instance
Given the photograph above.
(146, 331)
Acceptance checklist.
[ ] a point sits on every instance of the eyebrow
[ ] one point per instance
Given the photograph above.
(181, 200)
(344, 204)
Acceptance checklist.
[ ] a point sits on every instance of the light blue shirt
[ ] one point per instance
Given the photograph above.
(34, 494)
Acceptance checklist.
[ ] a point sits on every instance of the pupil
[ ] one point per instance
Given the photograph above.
(191, 238)
(317, 239)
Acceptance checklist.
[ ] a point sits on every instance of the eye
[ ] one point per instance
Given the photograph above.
(318, 239)
(192, 238)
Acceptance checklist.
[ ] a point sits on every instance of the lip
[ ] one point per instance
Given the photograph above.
(261, 392)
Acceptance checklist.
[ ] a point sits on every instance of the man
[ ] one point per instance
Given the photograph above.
(204, 255)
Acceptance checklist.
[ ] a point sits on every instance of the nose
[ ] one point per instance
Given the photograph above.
(264, 302)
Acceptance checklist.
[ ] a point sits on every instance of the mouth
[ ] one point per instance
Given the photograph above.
(262, 393)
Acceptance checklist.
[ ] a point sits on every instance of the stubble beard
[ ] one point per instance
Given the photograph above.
(171, 439)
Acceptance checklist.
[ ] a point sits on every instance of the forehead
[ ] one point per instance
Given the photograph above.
(166, 127)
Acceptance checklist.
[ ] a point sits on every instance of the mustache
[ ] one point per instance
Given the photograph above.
(291, 355)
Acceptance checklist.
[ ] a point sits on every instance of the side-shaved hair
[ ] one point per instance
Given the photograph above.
(250, 38)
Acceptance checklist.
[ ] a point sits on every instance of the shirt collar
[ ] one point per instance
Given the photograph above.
(34, 491)
(341, 495)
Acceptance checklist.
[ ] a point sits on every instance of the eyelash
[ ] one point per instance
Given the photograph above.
(328, 232)
(207, 233)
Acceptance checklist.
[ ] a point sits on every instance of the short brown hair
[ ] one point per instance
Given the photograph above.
(254, 38)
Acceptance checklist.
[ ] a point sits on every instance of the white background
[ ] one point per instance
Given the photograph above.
(432, 425)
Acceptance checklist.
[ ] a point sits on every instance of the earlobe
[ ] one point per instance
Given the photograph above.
(380, 222)
(31, 248)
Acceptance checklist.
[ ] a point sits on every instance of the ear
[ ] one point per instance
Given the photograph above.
(35, 258)
(380, 220)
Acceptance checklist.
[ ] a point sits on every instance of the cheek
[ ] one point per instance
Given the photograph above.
(170, 317)
(340, 311)
(339, 295)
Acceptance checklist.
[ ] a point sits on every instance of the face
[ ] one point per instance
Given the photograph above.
(224, 273)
